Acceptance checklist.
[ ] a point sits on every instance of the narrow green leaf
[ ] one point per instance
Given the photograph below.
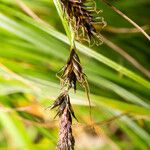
(67, 26)
(16, 130)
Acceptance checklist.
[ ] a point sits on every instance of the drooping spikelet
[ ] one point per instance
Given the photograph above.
(66, 139)
(72, 72)
(65, 112)
(83, 16)
(62, 100)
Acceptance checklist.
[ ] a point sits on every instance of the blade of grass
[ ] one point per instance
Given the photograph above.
(69, 31)
(127, 124)
(97, 56)
(87, 51)
(124, 54)
(109, 43)
(129, 96)
(136, 128)
(17, 77)
(128, 19)
(79, 99)
(91, 53)
(16, 130)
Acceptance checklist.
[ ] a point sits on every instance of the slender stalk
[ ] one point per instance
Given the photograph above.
(128, 57)
(128, 19)
(67, 26)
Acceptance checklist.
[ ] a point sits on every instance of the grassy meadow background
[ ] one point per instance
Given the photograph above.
(34, 46)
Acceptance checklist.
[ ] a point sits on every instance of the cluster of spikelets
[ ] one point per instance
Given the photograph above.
(72, 72)
(70, 75)
(66, 139)
(83, 17)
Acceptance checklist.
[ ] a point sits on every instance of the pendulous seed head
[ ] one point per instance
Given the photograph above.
(83, 17)
(66, 139)
(61, 102)
(72, 72)
(65, 113)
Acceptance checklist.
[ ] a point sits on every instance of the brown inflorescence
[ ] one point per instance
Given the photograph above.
(72, 72)
(65, 112)
(66, 139)
(83, 16)
(61, 102)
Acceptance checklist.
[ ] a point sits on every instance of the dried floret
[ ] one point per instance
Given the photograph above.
(83, 16)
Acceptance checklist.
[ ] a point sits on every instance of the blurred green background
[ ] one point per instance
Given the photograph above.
(33, 47)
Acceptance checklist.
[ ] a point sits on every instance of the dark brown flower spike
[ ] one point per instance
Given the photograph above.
(66, 139)
(72, 73)
(61, 102)
(58, 101)
(65, 113)
(83, 16)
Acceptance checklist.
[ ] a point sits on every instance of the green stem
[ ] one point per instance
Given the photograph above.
(67, 26)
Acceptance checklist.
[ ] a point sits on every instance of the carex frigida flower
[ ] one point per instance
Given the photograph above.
(83, 16)
(72, 72)
(65, 112)
(62, 100)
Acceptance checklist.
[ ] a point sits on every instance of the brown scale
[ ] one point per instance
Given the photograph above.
(61, 102)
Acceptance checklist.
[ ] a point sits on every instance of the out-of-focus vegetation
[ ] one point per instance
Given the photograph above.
(33, 47)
